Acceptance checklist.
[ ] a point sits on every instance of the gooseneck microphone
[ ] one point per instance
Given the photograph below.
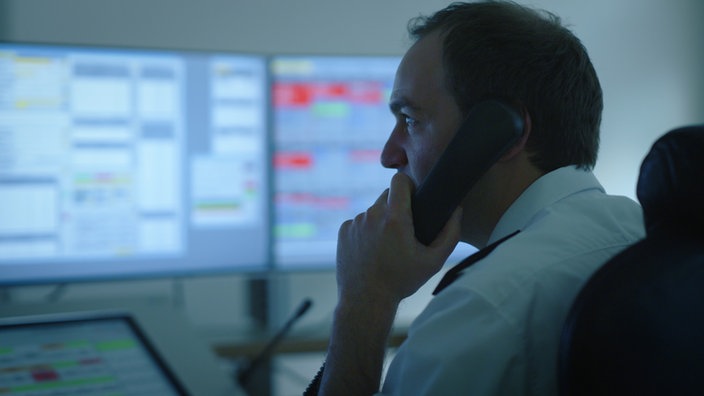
(244, 373)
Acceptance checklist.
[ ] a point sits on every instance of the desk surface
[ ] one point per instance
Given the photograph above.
(251, 344)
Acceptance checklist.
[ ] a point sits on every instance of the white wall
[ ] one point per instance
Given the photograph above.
(648, 53)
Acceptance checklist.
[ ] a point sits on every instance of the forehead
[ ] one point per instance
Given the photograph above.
(420, 75)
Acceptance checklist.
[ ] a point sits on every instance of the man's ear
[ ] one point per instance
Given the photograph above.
(520, 145)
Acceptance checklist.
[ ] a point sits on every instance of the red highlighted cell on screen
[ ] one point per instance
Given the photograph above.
(293, 160)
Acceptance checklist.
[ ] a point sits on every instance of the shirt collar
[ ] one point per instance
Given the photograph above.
(543, 192)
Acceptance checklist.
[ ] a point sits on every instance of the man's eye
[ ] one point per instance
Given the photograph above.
(410, 122)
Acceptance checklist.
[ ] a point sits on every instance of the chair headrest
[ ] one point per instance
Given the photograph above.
(671, 182)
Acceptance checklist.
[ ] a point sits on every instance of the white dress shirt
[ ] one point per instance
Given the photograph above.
(496, 329)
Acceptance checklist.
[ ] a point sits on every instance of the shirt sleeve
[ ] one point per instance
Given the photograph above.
(460, 344)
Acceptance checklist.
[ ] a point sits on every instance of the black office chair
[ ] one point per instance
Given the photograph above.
(637, 326)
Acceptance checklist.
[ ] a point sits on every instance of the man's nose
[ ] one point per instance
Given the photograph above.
(394, 156)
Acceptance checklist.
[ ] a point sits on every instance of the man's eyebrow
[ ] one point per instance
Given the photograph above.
(396, 104)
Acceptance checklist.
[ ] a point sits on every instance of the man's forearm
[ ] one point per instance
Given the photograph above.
(357, 347)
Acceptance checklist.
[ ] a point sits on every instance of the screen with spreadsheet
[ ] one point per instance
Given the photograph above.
(88, 356)
(131, 162)
(330, 121)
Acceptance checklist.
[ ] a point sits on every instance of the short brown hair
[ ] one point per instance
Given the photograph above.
(502, 49)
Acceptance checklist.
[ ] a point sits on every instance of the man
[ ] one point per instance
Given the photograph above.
(494, 330)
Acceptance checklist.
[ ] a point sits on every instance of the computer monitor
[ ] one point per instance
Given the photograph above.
(68, 348)
(121, 163)
(330, 121)
(86, 354)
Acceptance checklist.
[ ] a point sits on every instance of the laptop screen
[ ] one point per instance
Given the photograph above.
(91, 355)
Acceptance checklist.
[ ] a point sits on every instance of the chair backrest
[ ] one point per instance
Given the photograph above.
(637, 326)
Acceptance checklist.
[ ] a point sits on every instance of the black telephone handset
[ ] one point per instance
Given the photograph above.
(490, 129)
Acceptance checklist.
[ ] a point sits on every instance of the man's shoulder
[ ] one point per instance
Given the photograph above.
(569, 239)
(590, 221)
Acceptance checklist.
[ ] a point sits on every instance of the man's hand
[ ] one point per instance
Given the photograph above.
(378, 254)
(379, 262)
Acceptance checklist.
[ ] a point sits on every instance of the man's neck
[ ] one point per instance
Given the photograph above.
(491, 198)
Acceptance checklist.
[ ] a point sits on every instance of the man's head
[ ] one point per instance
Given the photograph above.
(501, 49)
(469, 52)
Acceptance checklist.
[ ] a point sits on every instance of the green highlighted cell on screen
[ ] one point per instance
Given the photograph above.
(62, 384)
(331, 109)
(295, 230)
(115, 345)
